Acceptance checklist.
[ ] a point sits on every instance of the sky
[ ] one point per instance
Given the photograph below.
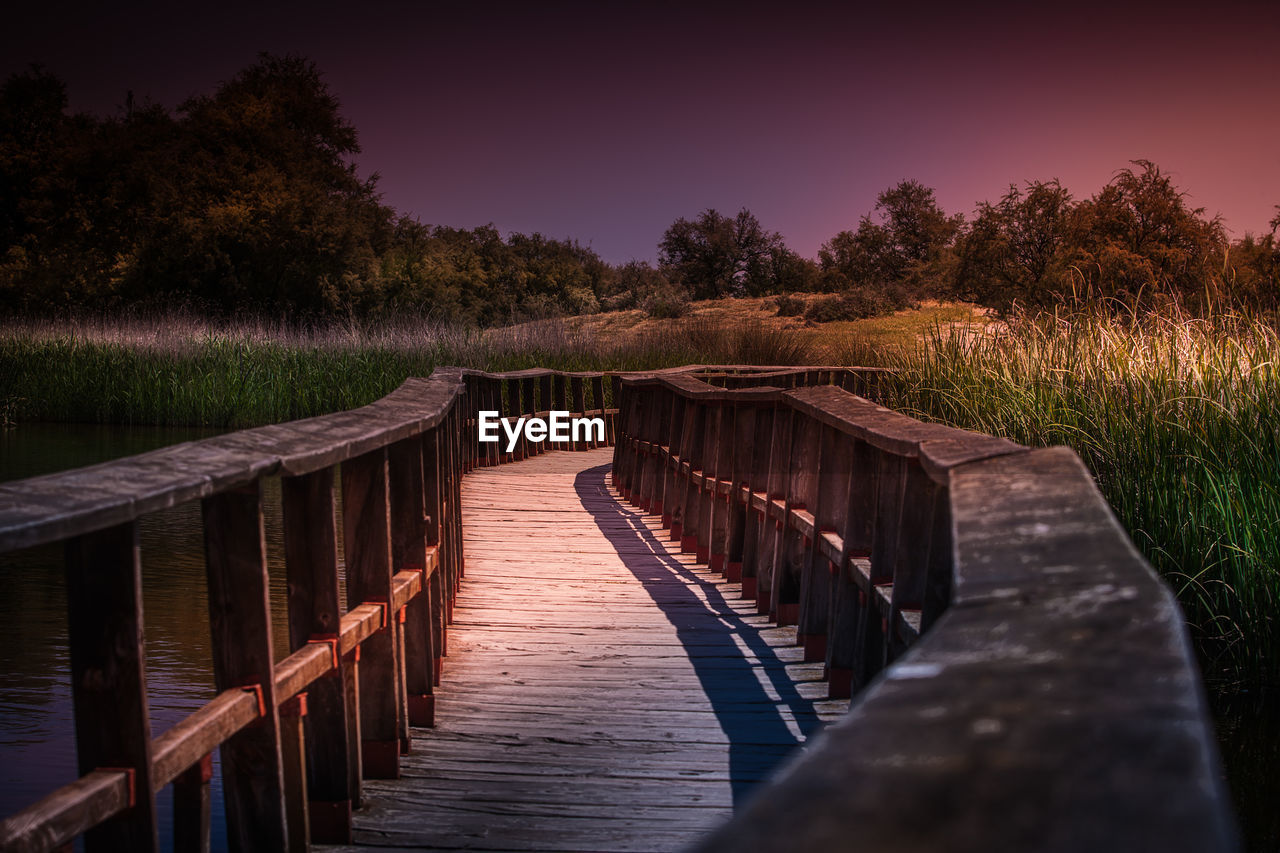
(605, 122)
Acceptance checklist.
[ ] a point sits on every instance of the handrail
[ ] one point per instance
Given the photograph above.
(402, 459)
(1053, 702)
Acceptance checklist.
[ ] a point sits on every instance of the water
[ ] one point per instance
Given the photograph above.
(37, 740)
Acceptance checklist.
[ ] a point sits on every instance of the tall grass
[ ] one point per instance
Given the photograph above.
(1179, 421)
(186, 371)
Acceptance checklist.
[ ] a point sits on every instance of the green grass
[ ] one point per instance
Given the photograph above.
(184, 372)
(1178, 420)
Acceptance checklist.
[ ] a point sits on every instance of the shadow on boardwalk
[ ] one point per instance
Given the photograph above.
(738, 669)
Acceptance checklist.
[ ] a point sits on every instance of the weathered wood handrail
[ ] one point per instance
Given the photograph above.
(1053, 702)
(297, 736)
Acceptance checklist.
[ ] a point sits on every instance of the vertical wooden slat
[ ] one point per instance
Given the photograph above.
(315, 610)
(772, 553)
(722, 494)
(744, 428)
(240, 623)
(108, 676)
(857, 531)
(409, 553)
(435, 480)
(756, 521)
(673, 404)
(367, 543)
(579, 405)
(192, 801)
(829, 493)
(293, 754)
(690, 446)
(615, 389)
(597, 405)
(869, 635)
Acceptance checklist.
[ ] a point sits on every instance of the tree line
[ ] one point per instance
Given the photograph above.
(248, 199)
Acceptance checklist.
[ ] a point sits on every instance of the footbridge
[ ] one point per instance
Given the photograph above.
(753, 611)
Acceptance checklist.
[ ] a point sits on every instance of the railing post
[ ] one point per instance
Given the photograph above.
(690, 455)
(108, 676)
(911, 567)
(367, 542)
(240, 622)
(739, 471)
(626, 454)
(772, 553)
(579, 408)
(597, 402)
(722, 452)
(857, 533)
(435, 481)
(756, 521)
(192, 808)
(315, 612)
(409, 539)
(799, 462)
(672, 490)
(648, 486)
(871, 630)
(293, 712)
(611, 421)
(828, 494)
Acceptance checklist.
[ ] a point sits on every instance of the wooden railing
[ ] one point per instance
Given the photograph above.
(296, 736)
(1052, 704)
(1021, 678)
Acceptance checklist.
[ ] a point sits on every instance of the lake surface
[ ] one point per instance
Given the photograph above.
(37, 738)
(37, 735)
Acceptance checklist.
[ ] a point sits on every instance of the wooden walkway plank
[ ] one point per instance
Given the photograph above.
(601, 692)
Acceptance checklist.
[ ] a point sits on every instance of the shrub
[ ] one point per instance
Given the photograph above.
(667, 303)
(790, 305)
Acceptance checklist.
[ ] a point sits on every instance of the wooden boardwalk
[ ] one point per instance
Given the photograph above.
(601, 692)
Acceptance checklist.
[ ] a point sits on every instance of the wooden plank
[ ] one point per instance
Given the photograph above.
(627, 674)
(108, 681)
(192, 808)
(366, 526)
(409, 539)
(57, 818)
(240, 624)
(315, 608)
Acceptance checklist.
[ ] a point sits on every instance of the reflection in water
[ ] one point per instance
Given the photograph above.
(37, 739)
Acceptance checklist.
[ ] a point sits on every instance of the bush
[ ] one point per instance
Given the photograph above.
(667, 303)
(858, 304)
(790, 305)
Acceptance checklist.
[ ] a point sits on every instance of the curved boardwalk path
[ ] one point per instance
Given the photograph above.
(601, 692)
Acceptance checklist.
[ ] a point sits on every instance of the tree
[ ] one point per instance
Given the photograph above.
(1253, 269)
(271, 213)
(1136, 240)
(715, 255)
(1016, 250)
(905, 247)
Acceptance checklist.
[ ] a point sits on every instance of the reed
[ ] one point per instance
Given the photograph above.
(181, 370)
(1179, 421)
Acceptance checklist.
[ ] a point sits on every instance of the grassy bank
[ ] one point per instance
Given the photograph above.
(1178, 420)
(188, 372)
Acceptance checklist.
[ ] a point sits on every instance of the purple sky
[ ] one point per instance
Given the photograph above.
(605, 122)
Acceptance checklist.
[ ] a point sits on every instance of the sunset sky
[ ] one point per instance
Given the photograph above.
(605, 122)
